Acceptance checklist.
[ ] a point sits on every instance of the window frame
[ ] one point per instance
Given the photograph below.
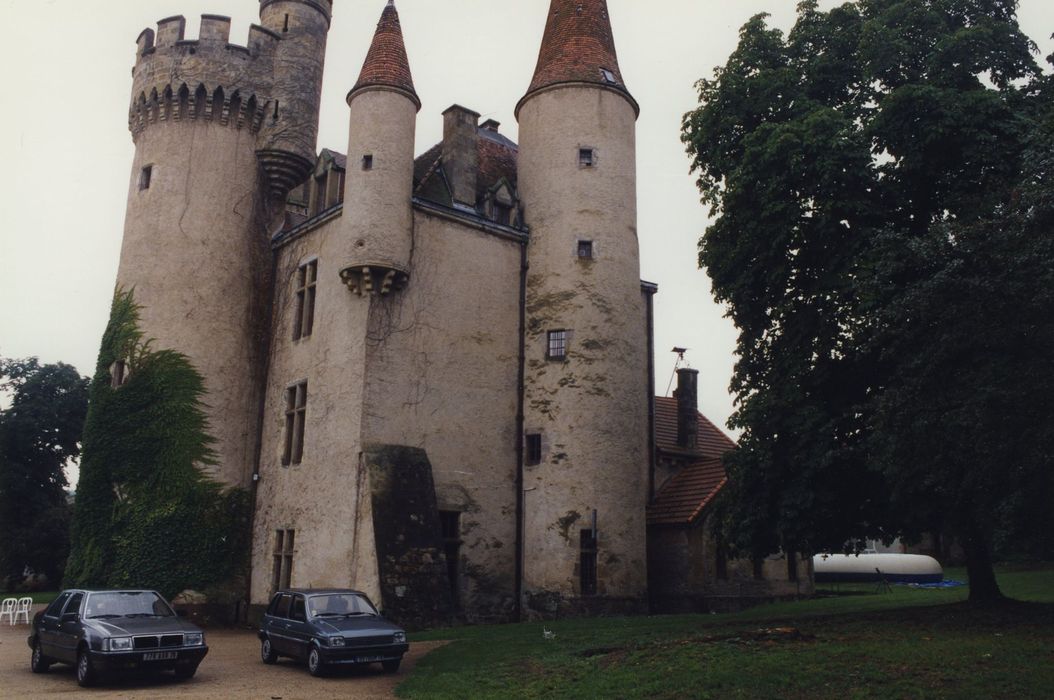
(556, 344)
(282, 558)
(295, 423)
(306, 295)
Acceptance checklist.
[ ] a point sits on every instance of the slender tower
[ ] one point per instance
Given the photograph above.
(586, 377)
(221, 133)
(378, 190)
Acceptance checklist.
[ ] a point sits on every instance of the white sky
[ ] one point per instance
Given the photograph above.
(65, 150)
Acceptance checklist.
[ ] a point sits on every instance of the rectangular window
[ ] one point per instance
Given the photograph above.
(304, 317)
(533, 449)
(118, 374)
(557, 345)
(585, 249)
(502, 214)
(295, 412)
(144, 177)
(792, 567)
(587, 568)
(585, 157)
(282, 574)
(367, 162)
(450, 527)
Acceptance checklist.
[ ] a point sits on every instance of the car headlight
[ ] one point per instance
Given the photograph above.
(120, 644)
(399, 637)
(193, 639)
(336, 641)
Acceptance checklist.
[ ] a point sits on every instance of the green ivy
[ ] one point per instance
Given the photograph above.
(146, 515)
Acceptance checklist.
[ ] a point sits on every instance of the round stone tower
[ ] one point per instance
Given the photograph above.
(211, 170)
(378, 190)
(586, 384)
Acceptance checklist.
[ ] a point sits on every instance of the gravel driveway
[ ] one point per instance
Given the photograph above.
(231, 670)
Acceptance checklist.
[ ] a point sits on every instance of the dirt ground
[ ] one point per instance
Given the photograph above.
(231, 670)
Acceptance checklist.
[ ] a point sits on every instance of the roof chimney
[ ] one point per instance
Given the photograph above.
(461, 152)
(686, 394)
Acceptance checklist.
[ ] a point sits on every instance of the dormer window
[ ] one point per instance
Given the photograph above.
(502, 213)
(608, 76)
(586, 157)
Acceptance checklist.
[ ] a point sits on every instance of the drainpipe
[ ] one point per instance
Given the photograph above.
(518, 606)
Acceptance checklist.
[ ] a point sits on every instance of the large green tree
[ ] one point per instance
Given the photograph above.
(39, 434)
(828, 157)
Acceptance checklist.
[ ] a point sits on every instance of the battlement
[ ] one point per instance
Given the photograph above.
(213, 39)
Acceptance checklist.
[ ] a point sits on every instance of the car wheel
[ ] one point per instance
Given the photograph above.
(391, 666)
(267, 652)
(39, 663)
(186, 670)
(314, 662)
(85, 672)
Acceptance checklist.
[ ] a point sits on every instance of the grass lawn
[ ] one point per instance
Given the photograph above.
(40, 597)
(908, 643)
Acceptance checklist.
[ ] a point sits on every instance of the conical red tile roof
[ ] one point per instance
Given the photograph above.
(386, 63)
(578, 47)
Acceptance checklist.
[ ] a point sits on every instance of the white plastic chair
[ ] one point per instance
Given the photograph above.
(8, 608)
(22, 610)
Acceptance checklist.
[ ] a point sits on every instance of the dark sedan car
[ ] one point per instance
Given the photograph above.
(102, 631)
(329, 627)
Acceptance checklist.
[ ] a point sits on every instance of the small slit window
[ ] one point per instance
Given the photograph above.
(144, 177)
(367, 162)
(586, 157)
(533, 449)
(585, 250)
(608, 76)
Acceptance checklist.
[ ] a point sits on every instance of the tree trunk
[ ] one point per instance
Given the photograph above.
(983, 586)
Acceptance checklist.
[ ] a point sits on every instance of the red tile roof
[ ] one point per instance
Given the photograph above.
(711, 442)
(497, 160)
(386, 63)
(682, 499)
(577, 47)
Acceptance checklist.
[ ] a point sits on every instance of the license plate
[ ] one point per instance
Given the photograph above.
(160, 656)
(370, 659)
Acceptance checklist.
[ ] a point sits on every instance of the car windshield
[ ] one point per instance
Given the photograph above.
(339, 605)
(127, 604)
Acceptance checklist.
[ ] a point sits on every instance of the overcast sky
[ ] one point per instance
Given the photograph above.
(65, 149)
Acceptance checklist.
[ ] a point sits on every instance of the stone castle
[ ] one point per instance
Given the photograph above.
(433, 373)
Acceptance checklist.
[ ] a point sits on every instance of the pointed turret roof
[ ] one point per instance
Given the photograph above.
(386, 64)
(578, 47)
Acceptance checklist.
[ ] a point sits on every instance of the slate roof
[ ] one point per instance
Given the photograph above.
(577, 44)
(497, 160)
(683, 498)
(386, 63)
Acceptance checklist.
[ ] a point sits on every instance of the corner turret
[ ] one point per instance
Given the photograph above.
(378, 187)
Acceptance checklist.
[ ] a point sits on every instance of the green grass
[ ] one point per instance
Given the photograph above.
(859, 644)
(39, 597)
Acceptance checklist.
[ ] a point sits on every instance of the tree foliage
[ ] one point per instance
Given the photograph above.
(146, 514)
(860, 170)
(39, 435)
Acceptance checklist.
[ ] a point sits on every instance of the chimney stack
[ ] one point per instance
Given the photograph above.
(687, 418)
(461, 152)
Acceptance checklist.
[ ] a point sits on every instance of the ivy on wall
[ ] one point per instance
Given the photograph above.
(145, 514)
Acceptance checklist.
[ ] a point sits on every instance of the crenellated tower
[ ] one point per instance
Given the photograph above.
(586, 388)
(221, 132)
(378, 187)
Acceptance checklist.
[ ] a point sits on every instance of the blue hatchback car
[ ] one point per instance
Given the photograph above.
(329, 627)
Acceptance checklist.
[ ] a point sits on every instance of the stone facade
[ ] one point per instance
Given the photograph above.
(435, 372)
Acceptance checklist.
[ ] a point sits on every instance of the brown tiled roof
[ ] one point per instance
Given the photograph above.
(386, 63)
(682, 499)
(577, 44)
(711, 442)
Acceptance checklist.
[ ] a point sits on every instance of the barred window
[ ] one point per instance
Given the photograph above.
(304, 319)
(557, 345)
(534, 449)
(295, 412)
(585, 249)
(586, 158)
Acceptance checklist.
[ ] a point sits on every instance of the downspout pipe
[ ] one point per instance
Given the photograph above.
(520, 390)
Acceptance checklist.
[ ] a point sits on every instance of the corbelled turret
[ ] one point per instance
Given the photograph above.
(379, 184)
(586, 387)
